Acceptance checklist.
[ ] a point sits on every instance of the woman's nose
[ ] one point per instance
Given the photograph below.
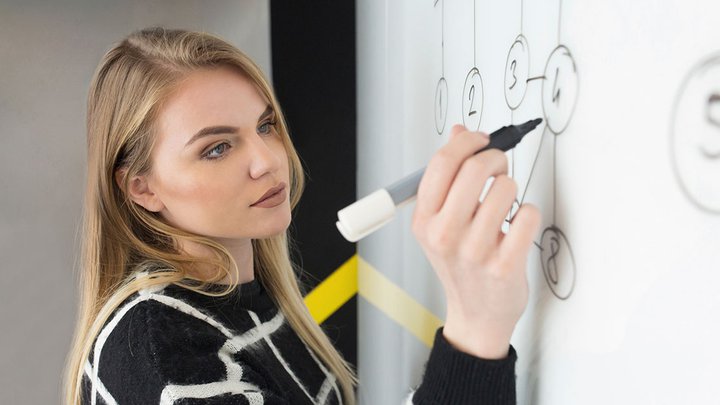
(263, 159)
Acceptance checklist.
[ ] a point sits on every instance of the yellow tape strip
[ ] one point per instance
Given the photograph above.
(334, 291)
(358, 276)
(396, 303)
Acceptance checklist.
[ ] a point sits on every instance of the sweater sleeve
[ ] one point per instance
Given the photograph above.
(454, 377)
(155, 354)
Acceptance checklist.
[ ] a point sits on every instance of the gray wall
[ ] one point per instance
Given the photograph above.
(48, 52)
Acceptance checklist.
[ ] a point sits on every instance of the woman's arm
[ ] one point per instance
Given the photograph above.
(482, 270)
(455, 377)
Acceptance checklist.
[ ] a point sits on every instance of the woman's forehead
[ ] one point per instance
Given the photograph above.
(210, 97)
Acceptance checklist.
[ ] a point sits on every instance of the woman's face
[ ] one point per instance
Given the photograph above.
(216, 154)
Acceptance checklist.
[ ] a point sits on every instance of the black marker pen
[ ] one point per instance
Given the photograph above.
(370, 213)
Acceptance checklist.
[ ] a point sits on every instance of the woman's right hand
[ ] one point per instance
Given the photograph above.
(481, 269)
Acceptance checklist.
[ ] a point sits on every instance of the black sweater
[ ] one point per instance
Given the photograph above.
(176, 346)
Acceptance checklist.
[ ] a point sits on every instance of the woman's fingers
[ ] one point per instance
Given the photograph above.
(464, 195)
(487, 224)
(455, 130)
(443, 167)
(523, 229)
(478, 266)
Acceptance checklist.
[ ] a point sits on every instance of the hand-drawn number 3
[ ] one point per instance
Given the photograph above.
(512, 66)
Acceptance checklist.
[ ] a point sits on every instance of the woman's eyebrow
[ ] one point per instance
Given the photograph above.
(224, 129)
(268, 111)
(219, 129)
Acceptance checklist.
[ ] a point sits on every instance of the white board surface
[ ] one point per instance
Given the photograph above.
(625, 276)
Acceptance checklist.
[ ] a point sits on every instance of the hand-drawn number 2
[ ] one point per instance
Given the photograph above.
(471, 98)
(472, 101)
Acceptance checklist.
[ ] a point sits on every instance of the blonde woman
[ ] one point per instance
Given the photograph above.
(188, 292)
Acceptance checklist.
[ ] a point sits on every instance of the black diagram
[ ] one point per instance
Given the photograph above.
(559, 82)
(441, 91)
(695, 135)
(473, 95)
(473, 92)
(559, 90)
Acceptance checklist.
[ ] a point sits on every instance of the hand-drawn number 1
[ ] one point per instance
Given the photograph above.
(441, 106)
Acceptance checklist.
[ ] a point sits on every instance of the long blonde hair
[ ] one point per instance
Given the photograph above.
(122, 241)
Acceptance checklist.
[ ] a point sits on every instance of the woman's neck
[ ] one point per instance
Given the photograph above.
(240, 249)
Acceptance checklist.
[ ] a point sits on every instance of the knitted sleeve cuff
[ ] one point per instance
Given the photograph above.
(455, 377)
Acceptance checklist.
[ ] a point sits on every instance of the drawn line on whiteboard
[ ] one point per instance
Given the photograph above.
(559, 20)
(554, 247)
(554, 160)
(474, 35)
(532, 170)
(512, 151)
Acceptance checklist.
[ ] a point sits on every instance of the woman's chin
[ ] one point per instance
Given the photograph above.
(269, 235)
(273, 231)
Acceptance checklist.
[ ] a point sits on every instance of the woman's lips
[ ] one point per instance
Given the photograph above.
(272, 197)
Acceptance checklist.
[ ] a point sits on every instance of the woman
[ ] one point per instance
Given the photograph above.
(188, 291)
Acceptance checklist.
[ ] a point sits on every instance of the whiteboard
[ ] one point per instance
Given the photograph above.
(625, 275)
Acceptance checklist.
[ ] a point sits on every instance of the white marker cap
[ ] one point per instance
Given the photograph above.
(366, 215)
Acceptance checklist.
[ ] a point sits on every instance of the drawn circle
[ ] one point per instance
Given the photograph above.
(517, 68)
(441, 105)
(559, 89)
(472, 100)
(695, 135)
(558, 262)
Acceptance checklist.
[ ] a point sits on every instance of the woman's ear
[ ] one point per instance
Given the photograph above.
(139, 191)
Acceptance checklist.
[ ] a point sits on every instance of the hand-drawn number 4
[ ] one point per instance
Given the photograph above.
(556, 91)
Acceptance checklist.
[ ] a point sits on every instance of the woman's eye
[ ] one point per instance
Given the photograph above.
(217, 151)
(266, 127)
